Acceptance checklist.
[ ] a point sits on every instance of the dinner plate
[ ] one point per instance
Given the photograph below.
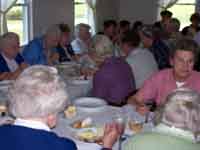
(79, 80)
(91, 135)
(90, 104)
(6, 82)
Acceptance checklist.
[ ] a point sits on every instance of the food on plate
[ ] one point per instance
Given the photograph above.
(86, 122)
(87, 135)
(76, 124)
(70, 112)
(94, 134)
(135, 127)
(82, 123)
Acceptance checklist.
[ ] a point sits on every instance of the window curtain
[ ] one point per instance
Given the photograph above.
(5, 6)
(166, 4)
(93, 17)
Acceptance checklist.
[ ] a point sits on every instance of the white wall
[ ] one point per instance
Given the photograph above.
(48, 12)
(145, 10)
(107, 9)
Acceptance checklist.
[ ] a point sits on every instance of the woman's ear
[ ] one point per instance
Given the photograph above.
(51, 120)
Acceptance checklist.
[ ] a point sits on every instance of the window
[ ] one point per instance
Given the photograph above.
(19, 20)
(183, 10)
(83, 14)
(81, 11)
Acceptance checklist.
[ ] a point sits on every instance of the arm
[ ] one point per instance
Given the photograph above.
(13, 75)
(111, 134)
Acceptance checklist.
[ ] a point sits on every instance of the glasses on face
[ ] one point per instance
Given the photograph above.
(184, 61)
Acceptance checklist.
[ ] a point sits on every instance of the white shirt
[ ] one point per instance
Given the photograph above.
(31, 124)
(143, 65)
(179, 84)
(12, 64)
(79, 46)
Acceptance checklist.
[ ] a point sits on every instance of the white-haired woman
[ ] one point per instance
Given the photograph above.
(42, 50)
(35, 99)
(178, 126)
(11, 62)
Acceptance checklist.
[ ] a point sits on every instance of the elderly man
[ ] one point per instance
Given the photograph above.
(11, 62)
(35, 99)
(42, 50)
(141, 60)
(177, 125)
(81, 44)
(164, 82)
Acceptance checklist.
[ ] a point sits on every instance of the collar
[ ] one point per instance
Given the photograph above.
(177, 132)
(6, 58)
(31, 124)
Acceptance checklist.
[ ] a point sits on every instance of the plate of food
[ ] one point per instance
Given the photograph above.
(91, 135)
(90, 104)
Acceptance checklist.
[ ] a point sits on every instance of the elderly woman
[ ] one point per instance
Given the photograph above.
(42, 50)
(114, 80)
(81, 44)
(11, 62)
(178, 125)
(35, 99)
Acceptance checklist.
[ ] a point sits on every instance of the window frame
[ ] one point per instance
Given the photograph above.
(27, 20)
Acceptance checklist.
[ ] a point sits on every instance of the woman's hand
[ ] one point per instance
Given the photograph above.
(111, 134)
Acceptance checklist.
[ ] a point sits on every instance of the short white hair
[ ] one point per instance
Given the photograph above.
(37, 92)
(182, 110)
(78, 28)
(7, 38)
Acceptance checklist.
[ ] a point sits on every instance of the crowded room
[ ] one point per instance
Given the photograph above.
(100, 74)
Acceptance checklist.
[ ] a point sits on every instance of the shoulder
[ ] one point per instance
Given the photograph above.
(34, 45)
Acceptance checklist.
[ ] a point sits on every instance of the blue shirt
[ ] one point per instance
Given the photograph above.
(161, 54)
(34, 53)
(4, 66)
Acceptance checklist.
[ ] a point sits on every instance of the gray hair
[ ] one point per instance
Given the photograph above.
(102, 45)
(53, 31)
(37, 92)
(182, 110)
(78, 28)
(8, 38)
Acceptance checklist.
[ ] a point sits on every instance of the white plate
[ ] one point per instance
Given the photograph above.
(68, 63)
(90, 104)
(79, 80)
(6, 82)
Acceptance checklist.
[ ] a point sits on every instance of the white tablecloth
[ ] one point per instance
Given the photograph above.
(64, 129)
